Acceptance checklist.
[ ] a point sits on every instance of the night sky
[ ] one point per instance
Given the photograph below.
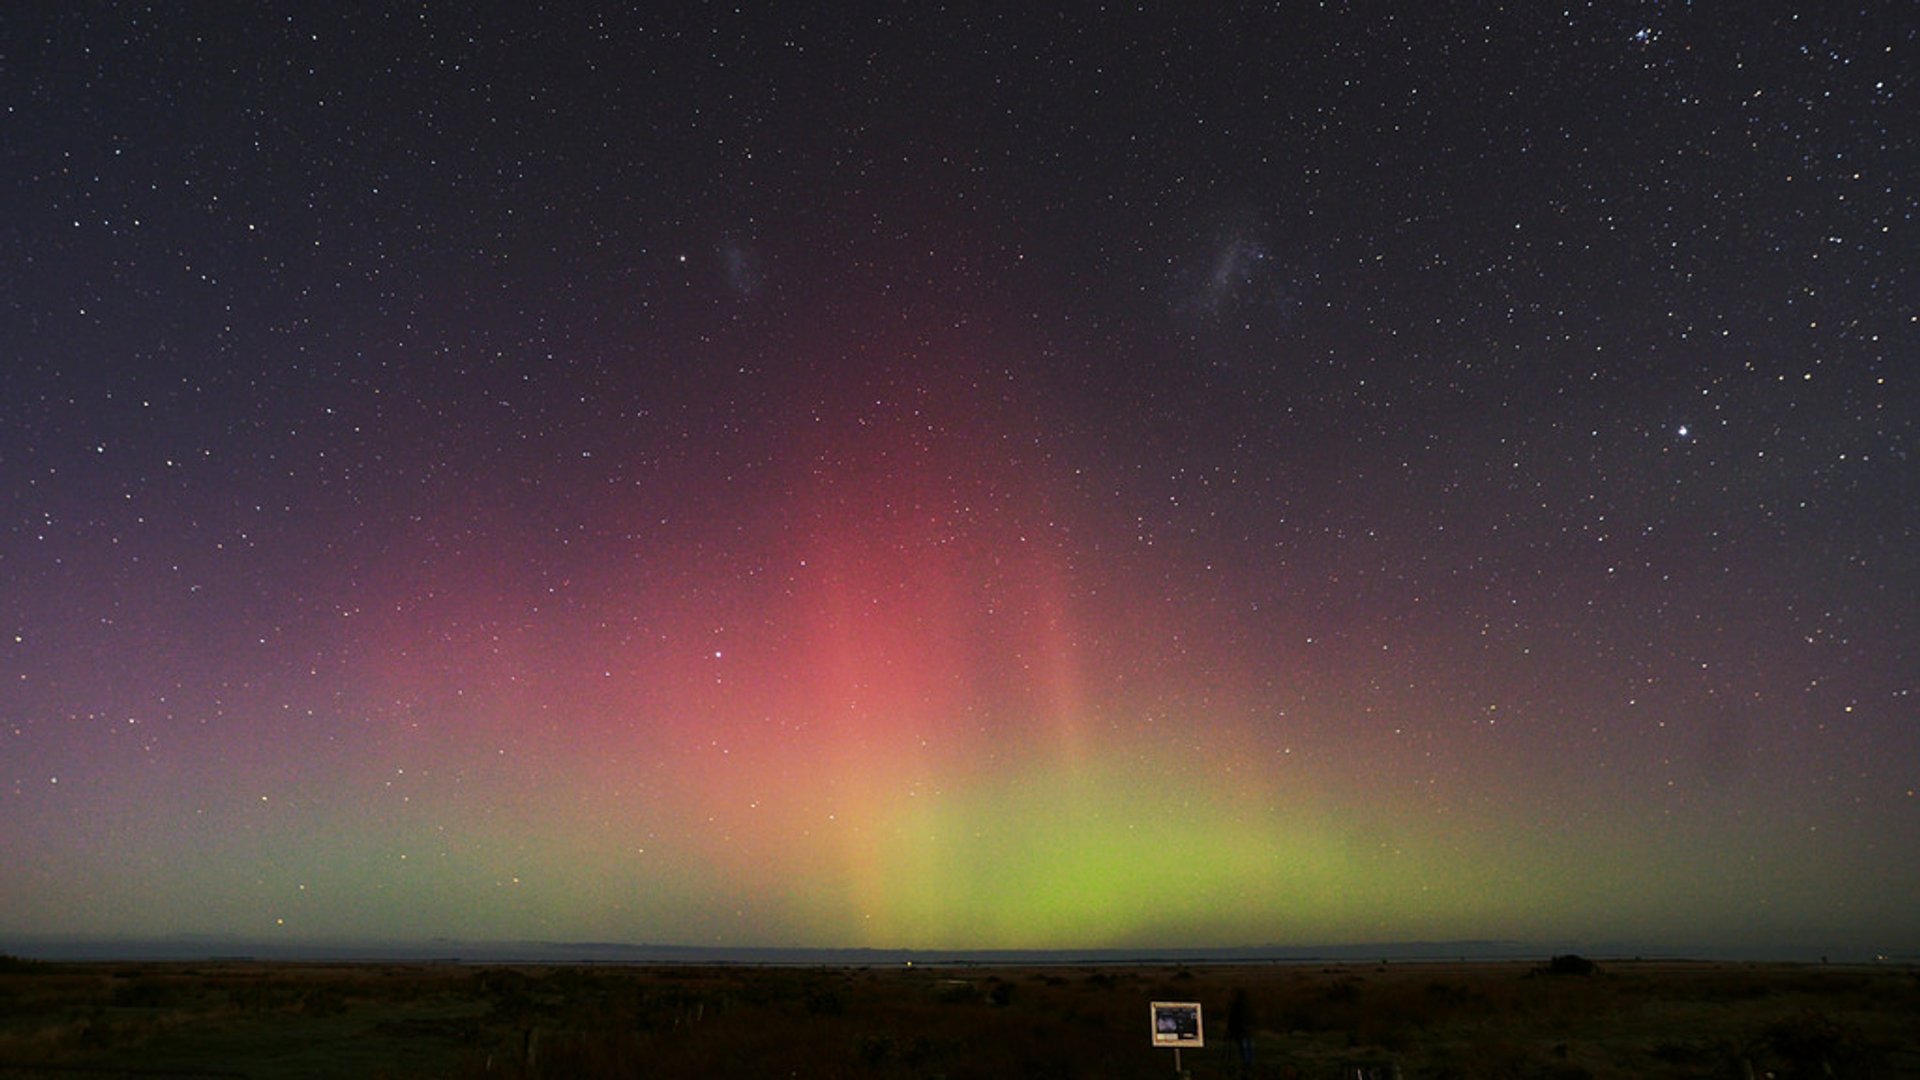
(1182, 477)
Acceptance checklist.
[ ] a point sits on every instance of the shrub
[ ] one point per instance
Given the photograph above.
(1569, 964)
(822, 1001)
(1814, 1044)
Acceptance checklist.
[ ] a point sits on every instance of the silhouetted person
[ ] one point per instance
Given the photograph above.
(1240, 1029)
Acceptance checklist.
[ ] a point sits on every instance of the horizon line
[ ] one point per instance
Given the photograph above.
(205, 947)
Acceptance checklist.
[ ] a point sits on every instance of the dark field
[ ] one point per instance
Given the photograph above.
(1430, 1020)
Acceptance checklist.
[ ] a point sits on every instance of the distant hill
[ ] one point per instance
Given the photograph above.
(568, 952)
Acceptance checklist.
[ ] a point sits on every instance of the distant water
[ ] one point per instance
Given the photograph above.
(549, 952)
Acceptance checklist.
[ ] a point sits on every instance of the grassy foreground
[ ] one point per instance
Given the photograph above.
(1427, 1020)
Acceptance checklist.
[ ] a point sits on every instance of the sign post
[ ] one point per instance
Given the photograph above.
(1177, 1024)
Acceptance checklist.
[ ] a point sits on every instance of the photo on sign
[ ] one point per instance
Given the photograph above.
(1176, 1023)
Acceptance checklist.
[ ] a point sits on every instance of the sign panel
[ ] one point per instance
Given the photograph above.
(1176, 1023)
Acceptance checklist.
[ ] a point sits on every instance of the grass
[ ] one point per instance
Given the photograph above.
(1461, 1021)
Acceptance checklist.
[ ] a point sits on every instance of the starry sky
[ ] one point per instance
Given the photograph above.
(1289, 474)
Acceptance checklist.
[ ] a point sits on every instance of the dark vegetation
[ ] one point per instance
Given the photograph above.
(1464, 1021)
(1569, 965)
